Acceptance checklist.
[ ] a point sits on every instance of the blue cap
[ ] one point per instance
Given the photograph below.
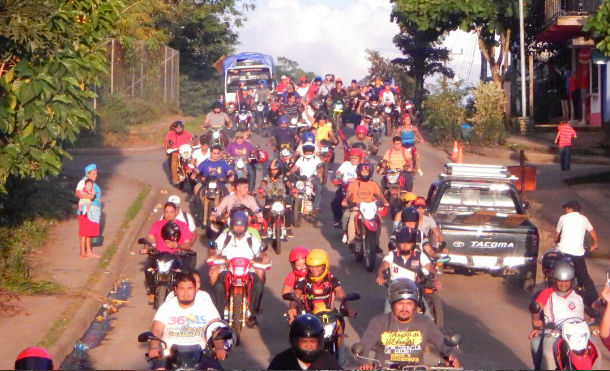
(89, 168)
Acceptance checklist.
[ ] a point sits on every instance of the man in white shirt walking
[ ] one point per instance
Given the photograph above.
(571, 230)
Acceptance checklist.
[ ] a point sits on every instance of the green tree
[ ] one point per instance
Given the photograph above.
(423, 58)
(50, 54)
(599, 25)
(487, 18)
(290, 68)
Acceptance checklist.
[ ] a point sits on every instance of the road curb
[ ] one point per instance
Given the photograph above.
(89, 307)
(111, 151)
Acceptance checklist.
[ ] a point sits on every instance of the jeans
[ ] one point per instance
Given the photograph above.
(257, 293)
(317, 187)
(543, 357)
(565, 157)
(584, 280)
(335, 205)
(251, 169)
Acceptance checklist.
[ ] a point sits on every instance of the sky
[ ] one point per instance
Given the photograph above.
(331, 36)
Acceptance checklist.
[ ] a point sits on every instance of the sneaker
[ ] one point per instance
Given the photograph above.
(344, 238)
(337, 224)
(151, 298)
(420, 172)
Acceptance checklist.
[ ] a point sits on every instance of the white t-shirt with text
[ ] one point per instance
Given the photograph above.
(348, 171)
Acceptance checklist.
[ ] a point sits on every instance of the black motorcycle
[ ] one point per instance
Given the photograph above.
(192, 357)
(165, 268)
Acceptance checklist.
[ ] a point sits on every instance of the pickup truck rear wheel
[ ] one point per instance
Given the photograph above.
(527, 277)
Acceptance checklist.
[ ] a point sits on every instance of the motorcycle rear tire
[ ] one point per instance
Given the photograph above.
(160, 295)
(325, 173)
(395, 206)
(337, 122)
(277, 230)
(369, 249)
(435, 306)
(388, 128)
(297, 216)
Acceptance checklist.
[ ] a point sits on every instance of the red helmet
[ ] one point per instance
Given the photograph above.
(261, 156)
(361, 129)
(382, 212)
(34, 359)
(355, 152)
(299, 252)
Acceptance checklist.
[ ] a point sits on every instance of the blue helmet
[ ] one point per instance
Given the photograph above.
(318, 79)
(263, 82)
(283, 120)
(308, 136)
(239, 218)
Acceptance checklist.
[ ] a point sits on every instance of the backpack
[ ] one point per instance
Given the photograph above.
(228, 240)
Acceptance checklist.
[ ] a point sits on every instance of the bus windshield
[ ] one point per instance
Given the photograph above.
(250, 75)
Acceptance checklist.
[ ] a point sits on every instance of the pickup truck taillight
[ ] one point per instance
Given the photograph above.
(532, 242)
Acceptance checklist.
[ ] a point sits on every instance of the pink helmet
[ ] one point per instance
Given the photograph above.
(299, 252)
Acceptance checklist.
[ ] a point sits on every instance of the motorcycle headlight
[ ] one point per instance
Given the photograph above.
(164, 267)
(324, 149)
(239, 271)
(300, 185)
(293, 121)
(329, 329)
(260, 107)
(309, 191)
(393, 178)
(240, 164)
(285, 152)
(388, 109)
(277, 207)
(212, 185)
(376, 120)
(243, 116)
(216, 134)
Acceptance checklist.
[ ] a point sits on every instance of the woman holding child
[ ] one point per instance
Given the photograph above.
(89, 210)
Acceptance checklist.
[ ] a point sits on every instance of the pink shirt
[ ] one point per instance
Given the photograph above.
(155, 230)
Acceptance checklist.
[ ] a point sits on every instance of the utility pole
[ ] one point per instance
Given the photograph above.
(523, 124)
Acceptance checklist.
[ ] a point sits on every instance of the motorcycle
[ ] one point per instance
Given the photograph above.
(243, 120)
(166, 267)
(239, 165)
(376, 130)
(573, 349)
(238, 286)
(303, 200)
(260, 115)
(210, 197)
(367, 221)
(327, 155)
(332, 319)
(393, 189)
(389, 113)
(219, 138)
(443, 361)
(338, 107)
(192, 357)
(276, 219)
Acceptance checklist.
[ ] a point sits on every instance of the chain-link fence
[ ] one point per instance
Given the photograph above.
(151, 76)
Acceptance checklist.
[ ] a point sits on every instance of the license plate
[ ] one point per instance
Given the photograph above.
(212, 185)
(485, 261)
(323, 149)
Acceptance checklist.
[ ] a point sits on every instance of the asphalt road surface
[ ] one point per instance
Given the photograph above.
(489, 313)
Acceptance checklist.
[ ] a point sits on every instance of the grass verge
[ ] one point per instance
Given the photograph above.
(60, 325)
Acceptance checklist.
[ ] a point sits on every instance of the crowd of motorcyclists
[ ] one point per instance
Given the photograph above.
(304, 123)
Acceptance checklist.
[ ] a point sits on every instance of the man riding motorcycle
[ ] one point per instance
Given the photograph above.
(275, 185)
(558, 303)
(360, 190)
(173, 323)
(283, 137)
(309, 165)
(291, 108)
(168, 235)
(215, 167)
(238, 242)
(175, 137)
(361, 139)
(319, 288)
(409, 217)
(398, 157)
(244, 149)
(345, 174)
(240, 196)
(399, 338)
(306, 350)
(217, 119)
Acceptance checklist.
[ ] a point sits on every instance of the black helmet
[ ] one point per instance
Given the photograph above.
(406, 234)
(239, 218)
(361, 167)
(360, 145)
(276, 165)
(550, 259)
(171, 232)
(403, 289)
(409, 214)
(217, 105)
(306, 326)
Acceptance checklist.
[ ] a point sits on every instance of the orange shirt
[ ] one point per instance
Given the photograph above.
(178, 140)
(363, 191)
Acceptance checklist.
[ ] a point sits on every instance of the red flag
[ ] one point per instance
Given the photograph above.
(218, 64)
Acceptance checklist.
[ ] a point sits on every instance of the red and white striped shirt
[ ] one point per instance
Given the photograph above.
(566, 133)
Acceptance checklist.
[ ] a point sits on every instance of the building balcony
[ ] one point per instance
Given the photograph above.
(564, 19)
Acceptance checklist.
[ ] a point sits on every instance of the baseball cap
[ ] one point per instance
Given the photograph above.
(239, 134)
(419, 201)
(175, 199)
(284, 77)
(572, 204)
(302, 79)
(354, 81)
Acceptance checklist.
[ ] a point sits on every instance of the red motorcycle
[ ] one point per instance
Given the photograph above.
(238, 284)
(367, 222)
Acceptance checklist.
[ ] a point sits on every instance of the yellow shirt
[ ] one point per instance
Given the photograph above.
(323, 132)
(397, 159)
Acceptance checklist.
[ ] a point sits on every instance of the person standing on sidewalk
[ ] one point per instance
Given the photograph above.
(89, 223)
(571, 230)
(565, 133)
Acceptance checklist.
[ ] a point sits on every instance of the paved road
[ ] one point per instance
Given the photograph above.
(489, 313)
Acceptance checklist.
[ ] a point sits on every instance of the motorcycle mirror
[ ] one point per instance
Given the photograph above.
(352, 296)
(143, 241)
(357, 349)
(289, 296)
(454, 340)
(535, 307)
(146, 336)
